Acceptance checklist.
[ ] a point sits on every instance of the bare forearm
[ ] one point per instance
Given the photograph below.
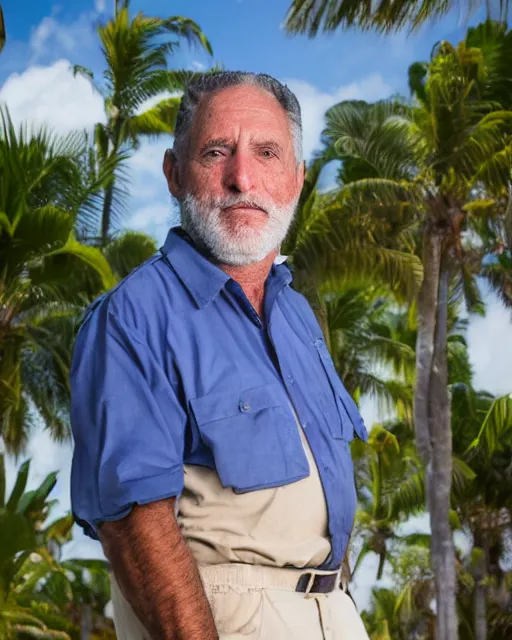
(157, 573)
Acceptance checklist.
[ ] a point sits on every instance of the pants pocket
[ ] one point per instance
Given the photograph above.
(237, 615)
(287, 615)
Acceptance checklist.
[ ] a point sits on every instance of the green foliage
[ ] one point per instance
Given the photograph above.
(316, 16)
(136, 51)
(39, 595)
(46, 274)
(128, 251)
(496, 432)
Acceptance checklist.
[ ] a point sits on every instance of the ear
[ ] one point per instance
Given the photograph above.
(171, 172)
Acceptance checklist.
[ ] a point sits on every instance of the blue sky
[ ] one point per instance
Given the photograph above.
(45, 38)
(245, 34)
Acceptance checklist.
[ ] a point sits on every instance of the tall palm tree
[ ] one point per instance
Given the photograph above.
(428, 162)
(331, 249)
(314, 16)
(46, 274)
(136, 52)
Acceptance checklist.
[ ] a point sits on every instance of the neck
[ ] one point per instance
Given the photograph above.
(252, 278)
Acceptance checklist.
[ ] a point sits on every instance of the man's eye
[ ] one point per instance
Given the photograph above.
(266, 153)
(214, 153)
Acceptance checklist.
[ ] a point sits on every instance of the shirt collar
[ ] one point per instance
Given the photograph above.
(203, 279)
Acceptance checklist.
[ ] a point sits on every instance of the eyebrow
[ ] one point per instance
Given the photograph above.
(216, 142)
(269, 144)
(227, 144)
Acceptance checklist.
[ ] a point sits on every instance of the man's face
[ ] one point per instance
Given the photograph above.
(239, 184)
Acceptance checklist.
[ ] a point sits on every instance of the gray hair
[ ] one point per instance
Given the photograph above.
(210, 82)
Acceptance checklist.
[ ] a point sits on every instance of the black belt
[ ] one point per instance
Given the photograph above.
(317, 583)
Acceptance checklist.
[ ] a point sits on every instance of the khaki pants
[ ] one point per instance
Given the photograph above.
(259, 603)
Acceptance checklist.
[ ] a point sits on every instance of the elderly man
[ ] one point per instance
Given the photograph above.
(211, 430)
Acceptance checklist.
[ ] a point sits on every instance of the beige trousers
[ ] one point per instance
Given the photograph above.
(259, 603)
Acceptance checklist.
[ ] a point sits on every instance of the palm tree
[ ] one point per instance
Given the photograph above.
(332, 249)
(334, 256)
(494, 230)
(486, 507)
(428, 162)
(46, 191)
(314, 16)
(135, 51)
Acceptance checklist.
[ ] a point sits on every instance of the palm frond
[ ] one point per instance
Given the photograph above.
(128, 251)
(496, 429)
(159, 120)
(316, 16)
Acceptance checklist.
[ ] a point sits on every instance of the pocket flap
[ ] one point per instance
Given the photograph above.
(225, 404)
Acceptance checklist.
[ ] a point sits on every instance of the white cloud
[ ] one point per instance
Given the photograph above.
(314, 103)
(51, 95)
(155, 219)
(46, 29)
(151, 214)
(51, 37)
(198, 66)
(490, 348)
(100, 6)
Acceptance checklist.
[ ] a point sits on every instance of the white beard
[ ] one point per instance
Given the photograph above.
(240, 244)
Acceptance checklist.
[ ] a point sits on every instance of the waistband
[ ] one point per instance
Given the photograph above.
(220, 578)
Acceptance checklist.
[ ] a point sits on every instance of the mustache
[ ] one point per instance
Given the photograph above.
(241, 201)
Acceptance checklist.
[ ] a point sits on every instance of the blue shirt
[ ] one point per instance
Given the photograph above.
(174, 366)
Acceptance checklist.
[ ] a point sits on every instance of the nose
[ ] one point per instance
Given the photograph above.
(239, 176)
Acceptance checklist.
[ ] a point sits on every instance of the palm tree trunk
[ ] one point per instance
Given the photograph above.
(427, 306)
(440, 477)
(432, 425)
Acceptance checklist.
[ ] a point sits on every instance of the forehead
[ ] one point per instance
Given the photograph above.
(242, 110)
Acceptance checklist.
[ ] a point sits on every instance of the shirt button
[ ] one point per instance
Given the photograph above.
(245, 407)
(305, 424)
(290, 380)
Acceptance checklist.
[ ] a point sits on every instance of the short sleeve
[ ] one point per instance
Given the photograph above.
(127, 422)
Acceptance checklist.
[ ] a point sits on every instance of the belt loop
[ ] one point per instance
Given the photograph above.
(311, 582)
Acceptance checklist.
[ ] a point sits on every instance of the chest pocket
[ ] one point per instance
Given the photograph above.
(350, 419)
(253, 437)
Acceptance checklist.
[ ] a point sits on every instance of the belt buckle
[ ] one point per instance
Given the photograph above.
(307, 589)
(303, 586)
(311, 584)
